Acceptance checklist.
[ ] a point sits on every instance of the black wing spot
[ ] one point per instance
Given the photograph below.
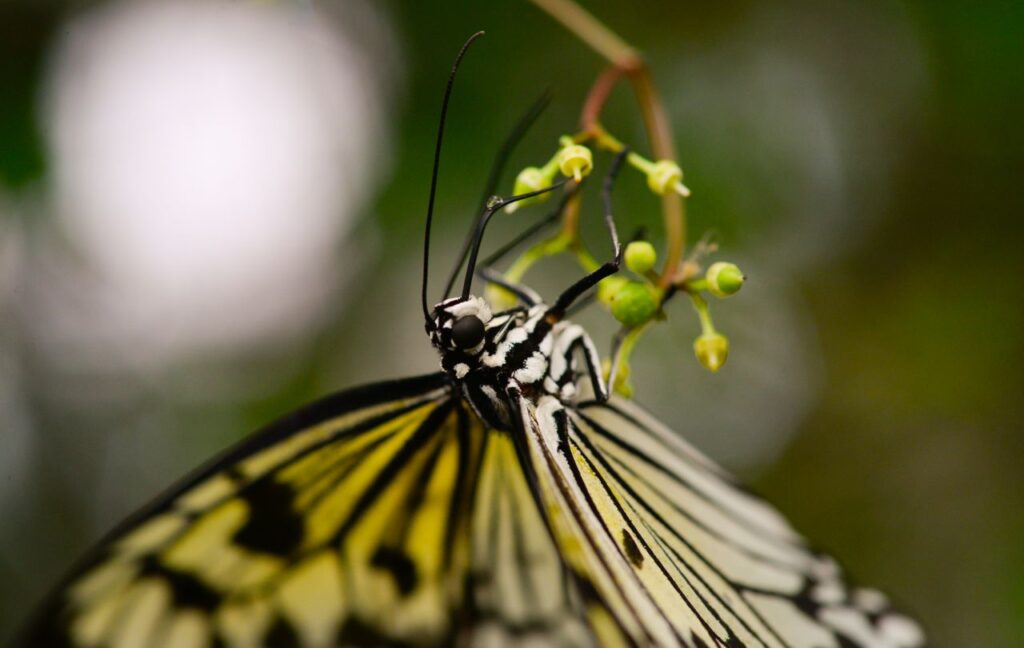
(282, 634)
(804, 601)
(273, 526)
(356, 632)
(187, 590)
(402, 569)
(632, 550)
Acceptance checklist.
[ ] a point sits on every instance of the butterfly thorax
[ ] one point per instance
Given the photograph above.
(522, 349)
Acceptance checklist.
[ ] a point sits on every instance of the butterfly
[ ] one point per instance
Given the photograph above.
(507, 499)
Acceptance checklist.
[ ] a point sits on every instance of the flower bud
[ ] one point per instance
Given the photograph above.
(635, 303)
(575, 161)
(724, 279)
(664, 177)
(609, 288)
(640, 257)
(529, 179)
(712, 349)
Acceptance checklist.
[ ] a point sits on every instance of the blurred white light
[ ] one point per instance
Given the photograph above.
(14, 439)
(209, 158)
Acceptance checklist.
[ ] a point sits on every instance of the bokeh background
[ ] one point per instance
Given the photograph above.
(211, 213)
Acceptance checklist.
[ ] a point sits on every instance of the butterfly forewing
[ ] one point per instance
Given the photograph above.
(388, 514)
(245, 542)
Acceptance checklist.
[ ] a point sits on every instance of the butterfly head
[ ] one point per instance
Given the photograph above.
(459, 332)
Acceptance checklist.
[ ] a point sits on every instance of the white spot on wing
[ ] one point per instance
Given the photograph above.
(827, 593)
(851, 623)
(900, 631)
(870, 600)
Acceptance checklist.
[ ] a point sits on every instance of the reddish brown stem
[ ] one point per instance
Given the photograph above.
(659, 132)
(598, 97)
(626, 62)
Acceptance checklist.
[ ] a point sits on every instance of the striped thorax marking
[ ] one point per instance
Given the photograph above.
(523, 349)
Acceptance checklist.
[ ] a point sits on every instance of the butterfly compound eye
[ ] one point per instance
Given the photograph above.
(467, 332)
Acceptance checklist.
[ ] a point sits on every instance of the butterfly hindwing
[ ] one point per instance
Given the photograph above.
(681, 551)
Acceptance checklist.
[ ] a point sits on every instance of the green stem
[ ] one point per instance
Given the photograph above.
(548, 247)
(629, 342)
(707, 327)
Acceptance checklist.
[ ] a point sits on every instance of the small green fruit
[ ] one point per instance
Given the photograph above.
(640, 257)
(724, 279)
(635, 303)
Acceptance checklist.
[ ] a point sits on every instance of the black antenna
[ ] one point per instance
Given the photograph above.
(433, 175)
(491, 187)
(494, 205)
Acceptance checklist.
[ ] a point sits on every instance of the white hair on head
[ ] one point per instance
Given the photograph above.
(475, 306)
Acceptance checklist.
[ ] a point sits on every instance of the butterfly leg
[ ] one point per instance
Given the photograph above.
(571, 343)
(566, 299)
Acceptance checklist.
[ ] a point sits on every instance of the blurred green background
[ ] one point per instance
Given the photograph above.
(211, 213)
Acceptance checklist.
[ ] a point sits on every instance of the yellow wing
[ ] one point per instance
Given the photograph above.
(680, 554)
(385, 515)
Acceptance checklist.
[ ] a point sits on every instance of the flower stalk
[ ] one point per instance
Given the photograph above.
(625, 61)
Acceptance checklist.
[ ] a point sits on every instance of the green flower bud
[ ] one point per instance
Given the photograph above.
(609, 288)
(529, 179)
(636, 303)
(575, 161)
(640, 257)
(724, 279)
(712, 349)
(664, 177)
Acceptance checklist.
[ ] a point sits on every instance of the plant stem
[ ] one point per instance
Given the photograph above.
(589, 29)
(626, 61)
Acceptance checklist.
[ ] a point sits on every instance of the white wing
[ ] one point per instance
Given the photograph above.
(679, 552)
